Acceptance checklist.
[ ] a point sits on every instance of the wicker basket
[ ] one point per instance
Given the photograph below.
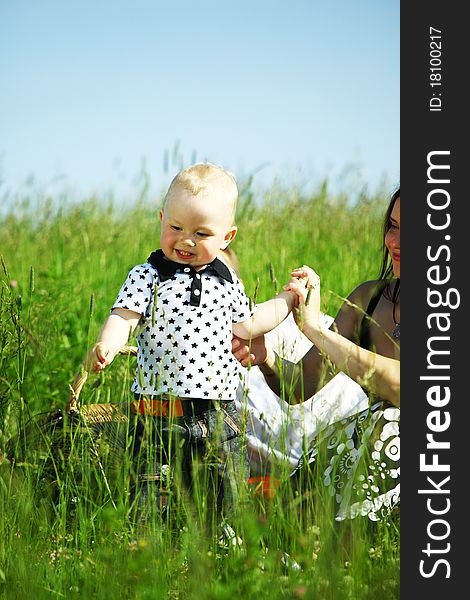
(44, 443)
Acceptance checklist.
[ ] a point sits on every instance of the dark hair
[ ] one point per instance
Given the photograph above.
(386, 269)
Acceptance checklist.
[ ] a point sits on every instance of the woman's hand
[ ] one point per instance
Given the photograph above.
(306, 284)
(254, 352)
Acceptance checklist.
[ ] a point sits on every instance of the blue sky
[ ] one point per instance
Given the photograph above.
(293, 91)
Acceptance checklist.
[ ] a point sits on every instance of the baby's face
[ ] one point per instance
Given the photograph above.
(195, 228)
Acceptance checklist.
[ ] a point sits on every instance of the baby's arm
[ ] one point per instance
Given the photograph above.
(266, 316)
(113, 336)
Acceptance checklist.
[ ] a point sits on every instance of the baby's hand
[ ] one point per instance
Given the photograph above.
(99, 357)
(306, 284)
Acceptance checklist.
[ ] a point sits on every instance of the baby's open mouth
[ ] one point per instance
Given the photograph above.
(184, 254)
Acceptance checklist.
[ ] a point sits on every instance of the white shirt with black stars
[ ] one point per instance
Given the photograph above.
(185, 332)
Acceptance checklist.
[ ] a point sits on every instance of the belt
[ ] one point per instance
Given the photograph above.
(169, 406)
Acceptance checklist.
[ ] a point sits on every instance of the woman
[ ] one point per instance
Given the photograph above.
(362, 468)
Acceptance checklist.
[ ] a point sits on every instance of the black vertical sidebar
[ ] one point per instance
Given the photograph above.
(435, 356)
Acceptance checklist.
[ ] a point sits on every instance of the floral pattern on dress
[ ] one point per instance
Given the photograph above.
(362, 469)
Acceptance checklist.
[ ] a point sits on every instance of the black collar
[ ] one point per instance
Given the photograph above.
(167, 268)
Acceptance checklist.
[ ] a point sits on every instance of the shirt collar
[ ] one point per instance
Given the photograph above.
(167, 268)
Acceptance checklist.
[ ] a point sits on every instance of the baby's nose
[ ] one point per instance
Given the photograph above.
(189, 241)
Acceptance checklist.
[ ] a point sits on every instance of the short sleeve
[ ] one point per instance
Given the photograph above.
(136, 292)
(241, 304)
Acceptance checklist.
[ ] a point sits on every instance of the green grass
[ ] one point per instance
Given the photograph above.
(67, 525)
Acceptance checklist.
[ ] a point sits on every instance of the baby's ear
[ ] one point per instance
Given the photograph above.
(229, 237)
(160, 216)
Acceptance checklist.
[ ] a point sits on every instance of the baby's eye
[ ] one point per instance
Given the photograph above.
(175, 228)
(203, 234)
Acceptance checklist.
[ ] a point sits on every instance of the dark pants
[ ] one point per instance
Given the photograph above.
(193, 464)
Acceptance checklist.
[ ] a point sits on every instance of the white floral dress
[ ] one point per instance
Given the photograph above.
(363, 471)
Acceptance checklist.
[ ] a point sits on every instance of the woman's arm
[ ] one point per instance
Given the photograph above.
(278, 371)
(377, 373)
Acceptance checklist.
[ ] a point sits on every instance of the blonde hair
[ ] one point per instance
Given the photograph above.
(209, 178)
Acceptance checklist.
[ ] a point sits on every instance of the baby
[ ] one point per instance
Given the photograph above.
(186, 303)
(185, 300)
